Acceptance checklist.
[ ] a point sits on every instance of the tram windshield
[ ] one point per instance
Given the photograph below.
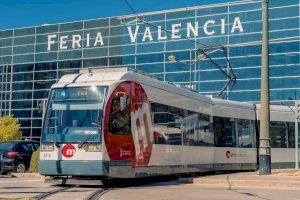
(75, 111)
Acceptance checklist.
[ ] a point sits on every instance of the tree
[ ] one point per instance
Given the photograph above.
(9, 129)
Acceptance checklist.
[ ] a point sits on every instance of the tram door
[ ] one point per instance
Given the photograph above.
(117, 135)
(128, 129)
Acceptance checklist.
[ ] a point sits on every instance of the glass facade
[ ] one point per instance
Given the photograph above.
(33, 58)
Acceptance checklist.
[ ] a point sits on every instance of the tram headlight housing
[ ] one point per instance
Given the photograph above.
(92, 147)
(47, 147)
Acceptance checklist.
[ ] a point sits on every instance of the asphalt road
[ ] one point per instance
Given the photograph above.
(24, 188)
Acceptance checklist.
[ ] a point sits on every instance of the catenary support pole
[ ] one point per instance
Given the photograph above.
(296, 134)
(191, 69)
(264, 140)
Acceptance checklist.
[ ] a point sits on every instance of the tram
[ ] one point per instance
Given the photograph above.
(122, 123)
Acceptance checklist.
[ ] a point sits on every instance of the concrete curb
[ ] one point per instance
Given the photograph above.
(251, 183)
(255, 182)
(27, 175)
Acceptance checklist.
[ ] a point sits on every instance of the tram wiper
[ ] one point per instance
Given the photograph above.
(89, 135)
(96, 126)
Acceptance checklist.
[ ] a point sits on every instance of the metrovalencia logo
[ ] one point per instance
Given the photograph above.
(68, 151)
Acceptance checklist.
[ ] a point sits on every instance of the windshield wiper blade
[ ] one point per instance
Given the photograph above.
(89, 135)
(96, 126)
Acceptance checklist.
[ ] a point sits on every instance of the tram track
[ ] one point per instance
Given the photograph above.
(97, 194)
(50, 193)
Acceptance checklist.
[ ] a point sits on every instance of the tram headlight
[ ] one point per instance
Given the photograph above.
(47, 147)
(93, 147)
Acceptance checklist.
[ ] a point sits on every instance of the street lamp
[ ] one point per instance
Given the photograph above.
(200, 57)
(231, 78)
(172, 58)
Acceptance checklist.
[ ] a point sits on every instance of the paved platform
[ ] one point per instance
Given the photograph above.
(237, 186)
(287, 178)
(27, 175)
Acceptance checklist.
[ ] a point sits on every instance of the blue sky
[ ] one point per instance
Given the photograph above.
(22, 13)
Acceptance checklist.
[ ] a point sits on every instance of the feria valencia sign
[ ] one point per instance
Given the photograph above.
(191, 30)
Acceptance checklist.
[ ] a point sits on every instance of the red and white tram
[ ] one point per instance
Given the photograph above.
(120, 123)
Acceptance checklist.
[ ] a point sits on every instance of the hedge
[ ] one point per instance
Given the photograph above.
(34, 162)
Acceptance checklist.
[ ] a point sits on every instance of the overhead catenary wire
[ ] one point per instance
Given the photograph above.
(152, 25)
(154, 5)
(231, 88)
(159, 3)
(202, 50)
(224, 46)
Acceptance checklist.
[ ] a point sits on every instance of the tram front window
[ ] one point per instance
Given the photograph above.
(75, 111)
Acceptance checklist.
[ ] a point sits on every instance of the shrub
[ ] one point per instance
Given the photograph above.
(34, 162)
(9, 129)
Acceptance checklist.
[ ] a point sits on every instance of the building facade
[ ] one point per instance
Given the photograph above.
(33, 58)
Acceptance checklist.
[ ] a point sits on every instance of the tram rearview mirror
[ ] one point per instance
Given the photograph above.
(40, 106)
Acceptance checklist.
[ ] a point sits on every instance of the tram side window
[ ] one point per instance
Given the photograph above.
(156, 107)
(224, 132)
(245, 131)
(197, 129)
(175, 125)
(160, 116)
(119, 118)
(282, 134)
(167, 124)
(291, 133)
(278, 134)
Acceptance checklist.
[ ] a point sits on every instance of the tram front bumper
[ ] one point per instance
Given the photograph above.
(73, 168)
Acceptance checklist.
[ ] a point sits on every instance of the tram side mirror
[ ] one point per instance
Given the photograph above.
(40, 106)
(122, 103)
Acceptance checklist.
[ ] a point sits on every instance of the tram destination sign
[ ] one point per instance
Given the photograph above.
(149, 33)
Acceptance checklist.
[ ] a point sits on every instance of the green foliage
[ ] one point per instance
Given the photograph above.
(9, 129)
(34, 162)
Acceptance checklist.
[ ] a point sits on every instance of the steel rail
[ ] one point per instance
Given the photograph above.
(97, 194)
(50, 193)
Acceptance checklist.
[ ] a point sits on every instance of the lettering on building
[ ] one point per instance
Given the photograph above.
(149, 34)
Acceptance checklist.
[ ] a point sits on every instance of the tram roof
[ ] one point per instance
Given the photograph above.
(107, 76)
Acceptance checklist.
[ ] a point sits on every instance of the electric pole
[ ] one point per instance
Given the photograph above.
(264, 140)
(297, 115)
